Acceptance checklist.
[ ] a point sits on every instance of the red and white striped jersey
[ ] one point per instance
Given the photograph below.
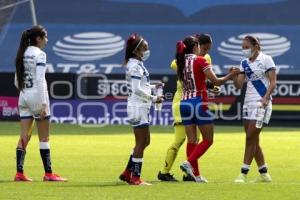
(194, 78)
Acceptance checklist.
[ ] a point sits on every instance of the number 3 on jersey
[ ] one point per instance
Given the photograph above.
(28, 82)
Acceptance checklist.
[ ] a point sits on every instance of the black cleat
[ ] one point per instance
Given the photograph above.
(166, 177)
(188, 178)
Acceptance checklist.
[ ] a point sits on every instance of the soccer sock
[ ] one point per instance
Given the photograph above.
(45, 155)
(190, 147)
(245, 169)
(263, 169)
(172, 151)
(200, 149)
(137, 166)
(20, 159)
(129, 164)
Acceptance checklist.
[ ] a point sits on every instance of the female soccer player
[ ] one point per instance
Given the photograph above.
(138, 105)
(193, 70)
(33, 99)
(205, 42)
(258, 70)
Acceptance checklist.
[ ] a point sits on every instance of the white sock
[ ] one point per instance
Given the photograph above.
(44, 145)
(263, 166)
(245, 166)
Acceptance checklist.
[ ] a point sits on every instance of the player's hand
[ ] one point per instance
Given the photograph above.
(43, 111)
(160, 99)
(233, 71)
(264, 101)
(160, 84)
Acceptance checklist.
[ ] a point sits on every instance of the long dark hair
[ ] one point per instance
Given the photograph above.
(184, 47)
(132, 44)
(28, 39)
(253, 40)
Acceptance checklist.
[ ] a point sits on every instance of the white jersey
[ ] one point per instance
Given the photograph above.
(34, 92)
(256, 77)
(33, 57)
(136, 70)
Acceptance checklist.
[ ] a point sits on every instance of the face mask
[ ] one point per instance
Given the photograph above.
(247, 53)
(146, 55)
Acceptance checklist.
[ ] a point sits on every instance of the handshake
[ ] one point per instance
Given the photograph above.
(233, 71)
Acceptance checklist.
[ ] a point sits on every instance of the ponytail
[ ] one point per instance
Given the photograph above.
(184, 47)
(19, 61)
(180, 58)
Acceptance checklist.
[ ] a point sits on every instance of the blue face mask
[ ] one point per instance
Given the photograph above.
(146, 55)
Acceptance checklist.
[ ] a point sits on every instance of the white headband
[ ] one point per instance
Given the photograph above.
(138, 44)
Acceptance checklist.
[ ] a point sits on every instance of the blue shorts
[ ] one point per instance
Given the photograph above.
(192, 112)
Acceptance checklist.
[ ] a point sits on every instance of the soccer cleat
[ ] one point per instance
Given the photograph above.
(242, 178)
(198, 179)
(187, 178)
(53, 177)
(125, 176)
(201, 179)
(135, 180)
(187, 168)
(166, 177)
(21, 177)
(263, 178)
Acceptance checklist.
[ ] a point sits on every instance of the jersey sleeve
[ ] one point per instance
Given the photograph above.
(208, 58)
(202, 63)
(41, 60)
(174, 65)
(269, 64)
(241, 68)
(40, 76)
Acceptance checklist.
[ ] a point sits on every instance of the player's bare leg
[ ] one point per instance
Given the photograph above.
(26, 130)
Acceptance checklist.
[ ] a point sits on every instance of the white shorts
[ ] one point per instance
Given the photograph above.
(30, 106)
(138, 116)
(255, 111)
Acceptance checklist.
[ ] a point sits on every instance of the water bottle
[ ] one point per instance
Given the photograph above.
(159, 92)
(260, 115)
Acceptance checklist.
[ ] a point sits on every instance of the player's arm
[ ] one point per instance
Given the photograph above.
(272, 78)
(271, 74)
(137, 90)
(210, 75)
(239, 80)
(40, 77)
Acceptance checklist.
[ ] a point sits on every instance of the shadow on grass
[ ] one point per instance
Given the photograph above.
(104, 184)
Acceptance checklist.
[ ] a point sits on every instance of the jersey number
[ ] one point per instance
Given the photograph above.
(189, 75)
(28, 83)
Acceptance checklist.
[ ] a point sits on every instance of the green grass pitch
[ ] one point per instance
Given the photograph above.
(92, 159)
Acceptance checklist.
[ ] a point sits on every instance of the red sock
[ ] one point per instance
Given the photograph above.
(199, 150)
(190, 147)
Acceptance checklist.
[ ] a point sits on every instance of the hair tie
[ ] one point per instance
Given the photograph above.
(180, 47)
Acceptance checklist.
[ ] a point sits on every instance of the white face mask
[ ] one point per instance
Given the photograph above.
(146, 55)
(247, 53)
